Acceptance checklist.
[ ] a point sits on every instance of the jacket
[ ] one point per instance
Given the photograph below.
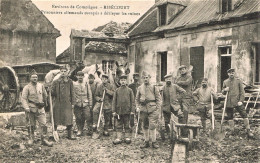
(150, 95)
(33, 94)
(108, 96)
(169, 96)
(236, 92)
(185, 81)
(83, 94)
(123, 100)
(64, 98)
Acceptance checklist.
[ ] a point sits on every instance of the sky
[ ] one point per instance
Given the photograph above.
(61, 14)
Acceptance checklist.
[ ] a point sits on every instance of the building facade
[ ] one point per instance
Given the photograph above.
(210, 36)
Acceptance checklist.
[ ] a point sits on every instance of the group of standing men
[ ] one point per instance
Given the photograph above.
(145, 100)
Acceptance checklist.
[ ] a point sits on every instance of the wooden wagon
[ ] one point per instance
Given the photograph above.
(13, 79)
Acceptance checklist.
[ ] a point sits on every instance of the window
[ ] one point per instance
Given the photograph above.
(257, 64)
(225, 50)
(162, 14)
(162, 66)
(226, 6)
(106, 65)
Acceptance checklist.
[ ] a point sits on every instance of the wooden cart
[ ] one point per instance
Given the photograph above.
(13, 79)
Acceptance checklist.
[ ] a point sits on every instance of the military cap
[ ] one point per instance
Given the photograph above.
(145, 73)
(80, 73)
(63, 67)
(105, 76)
(230, 70)
(123, 76)
(182, 66)
(136, 74)
(33, 72)
(167, 76)
(91, 76)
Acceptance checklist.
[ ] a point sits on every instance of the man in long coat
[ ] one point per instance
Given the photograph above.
(236, 96)
(185, 81)
(134, 87)
(63, 93)
(122, 107)
(107, 106)
(148, 102)
(170, 102)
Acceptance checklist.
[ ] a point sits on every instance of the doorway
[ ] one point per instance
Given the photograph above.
(225, 62)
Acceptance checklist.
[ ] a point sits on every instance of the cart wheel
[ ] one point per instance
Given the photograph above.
(9, 89)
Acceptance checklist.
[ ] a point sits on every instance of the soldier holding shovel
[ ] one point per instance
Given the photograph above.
(203, 95)
(233, 87)
(34, 98)
(107, 103)
(122, 107)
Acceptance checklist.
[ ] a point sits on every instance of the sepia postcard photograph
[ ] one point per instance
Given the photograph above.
(172, 81)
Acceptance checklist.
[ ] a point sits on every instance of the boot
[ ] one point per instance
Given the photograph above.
(30, 135)
(155, 145)
(106, 133)
(146, 139)
(231, 125)
(153, 138)
(118, 139)
(90, 131)
(249, 132)
(46, 142)
(70, 133)
(145, 145)
(128, 138)
(79, 133)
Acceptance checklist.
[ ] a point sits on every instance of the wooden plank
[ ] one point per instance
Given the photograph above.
(179, 153)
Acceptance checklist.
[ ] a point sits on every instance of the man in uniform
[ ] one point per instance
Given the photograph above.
(203, 96)
(34, 98)
(134, 87)
(63, 92)
(235, 98)
(107, 106)
(148, 102)
(93, 86)
(184, 81)
(170, 102)
(83, 103)
(122, 107)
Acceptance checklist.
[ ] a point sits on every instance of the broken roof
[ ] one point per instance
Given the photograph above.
(194, 14)
(109, 30)
(23, 15)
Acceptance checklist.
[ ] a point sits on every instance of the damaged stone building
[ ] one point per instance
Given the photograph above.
(26, 35)
(103, 45)
(209, 35)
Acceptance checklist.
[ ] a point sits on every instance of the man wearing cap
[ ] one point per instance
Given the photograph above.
(122, 107)
(63, 92)
(184, 81)
(203, 98)
(236, 95)
(93, 86)
(148, 102)
(170, 102)
(134, 87)
(107, 106)
(83, 103)
(34, 98)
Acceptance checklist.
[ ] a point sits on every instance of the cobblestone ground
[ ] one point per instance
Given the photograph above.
(234, 148)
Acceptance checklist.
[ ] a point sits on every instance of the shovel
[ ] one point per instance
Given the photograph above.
(221, 135)
(96, 135)
(54, 132)
(212, 113)
(137, 124)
